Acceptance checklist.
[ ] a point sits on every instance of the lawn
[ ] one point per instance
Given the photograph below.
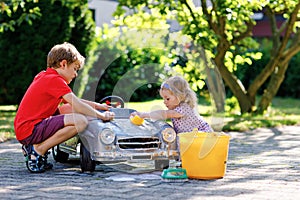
(7, 114)
(283, 111)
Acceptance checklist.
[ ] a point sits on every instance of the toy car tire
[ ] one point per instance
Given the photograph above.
(86, 162)
(58, 155)
(161, 164)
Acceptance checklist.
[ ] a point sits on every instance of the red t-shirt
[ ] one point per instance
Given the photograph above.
(40, 101)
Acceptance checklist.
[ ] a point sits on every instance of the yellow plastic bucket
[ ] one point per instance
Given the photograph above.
(204, 155)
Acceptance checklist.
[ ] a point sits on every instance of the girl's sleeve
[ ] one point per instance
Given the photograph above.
(205, 127)
(180, 110)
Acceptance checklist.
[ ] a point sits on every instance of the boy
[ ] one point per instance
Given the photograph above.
(41, 121)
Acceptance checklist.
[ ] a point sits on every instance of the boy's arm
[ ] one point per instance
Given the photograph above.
(95, 105)
(80, 106)
(159, 114)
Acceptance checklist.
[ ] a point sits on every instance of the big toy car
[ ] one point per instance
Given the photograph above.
(121, 140)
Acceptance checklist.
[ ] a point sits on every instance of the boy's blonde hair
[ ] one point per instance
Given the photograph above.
(65, 51)
(180, 88)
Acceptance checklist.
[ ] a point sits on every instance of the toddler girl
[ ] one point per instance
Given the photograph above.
(181, 102)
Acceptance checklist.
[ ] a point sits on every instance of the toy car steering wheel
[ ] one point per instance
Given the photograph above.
(114, 101)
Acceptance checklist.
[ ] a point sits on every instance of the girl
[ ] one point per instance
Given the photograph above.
(181, 102)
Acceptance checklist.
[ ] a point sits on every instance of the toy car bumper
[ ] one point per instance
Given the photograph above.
(156, 155)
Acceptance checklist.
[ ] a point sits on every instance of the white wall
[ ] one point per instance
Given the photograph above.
(103, 10)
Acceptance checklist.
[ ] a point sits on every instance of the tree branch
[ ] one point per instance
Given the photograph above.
(274, 29)
(212, 25)
(293, 50)
(184, 2)
(289, 29)
(248, 32)
(277, 56)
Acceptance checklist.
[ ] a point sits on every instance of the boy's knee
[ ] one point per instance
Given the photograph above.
(81, 123)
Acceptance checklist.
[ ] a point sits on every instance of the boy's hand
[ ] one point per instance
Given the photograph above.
(99, 106)
(107, 116)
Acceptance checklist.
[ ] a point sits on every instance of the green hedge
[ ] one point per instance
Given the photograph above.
(23, 52)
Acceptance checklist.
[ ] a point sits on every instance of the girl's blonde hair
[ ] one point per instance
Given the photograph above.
(64, 51)
(180, 88)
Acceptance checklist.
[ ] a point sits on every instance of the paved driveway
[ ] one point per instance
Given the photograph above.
(262, 164)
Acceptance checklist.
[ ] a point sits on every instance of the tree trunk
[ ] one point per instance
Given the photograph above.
(214, 82)
(235, 86)
(263, 76)
(272, 88)
(216, 88)
(278, 64)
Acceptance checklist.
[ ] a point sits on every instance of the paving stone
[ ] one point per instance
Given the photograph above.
(262, 164)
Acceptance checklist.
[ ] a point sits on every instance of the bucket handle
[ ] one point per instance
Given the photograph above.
(187, 146)
(207, 146)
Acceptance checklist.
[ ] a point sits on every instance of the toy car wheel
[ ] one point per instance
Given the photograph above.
(58, 155)
(86, 162)
(114, 101)
(161, 164)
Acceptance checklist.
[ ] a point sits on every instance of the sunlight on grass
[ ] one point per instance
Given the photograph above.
(217, 121)
(159, 105)
(146, 106)
(283, 111)
(7, 115)
(286, 105)
(8, 108)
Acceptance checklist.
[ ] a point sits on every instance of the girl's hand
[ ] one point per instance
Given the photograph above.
(140, 114)
(133, 114)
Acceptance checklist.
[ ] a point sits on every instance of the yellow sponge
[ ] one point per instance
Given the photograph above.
(137, 120)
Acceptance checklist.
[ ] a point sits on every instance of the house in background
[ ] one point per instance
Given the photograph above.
(262, 27)
(103, 10)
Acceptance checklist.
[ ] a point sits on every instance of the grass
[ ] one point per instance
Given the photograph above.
(283, 111)
(7, 115)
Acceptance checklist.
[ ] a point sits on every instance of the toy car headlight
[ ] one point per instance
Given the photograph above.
(107, 136)
(168, 135)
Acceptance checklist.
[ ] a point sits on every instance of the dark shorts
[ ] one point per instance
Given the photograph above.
(44, 130)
